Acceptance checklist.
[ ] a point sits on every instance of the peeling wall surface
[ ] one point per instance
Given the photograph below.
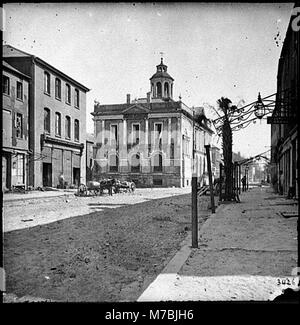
(54, 152)
(15, 142)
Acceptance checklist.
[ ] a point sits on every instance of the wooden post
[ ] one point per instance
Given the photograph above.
(211, 185)
(194, 213)
(221, 183)
(247, 178)
(239, 179)
(194, 194)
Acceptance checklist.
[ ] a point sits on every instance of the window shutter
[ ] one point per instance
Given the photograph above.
(14, 140)
(24, 126)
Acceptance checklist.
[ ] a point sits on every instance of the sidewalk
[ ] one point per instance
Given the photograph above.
(10, 197)
(245, 250)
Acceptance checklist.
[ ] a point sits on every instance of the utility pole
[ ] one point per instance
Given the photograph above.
(211, 186)
(220, 182)
(194, 194)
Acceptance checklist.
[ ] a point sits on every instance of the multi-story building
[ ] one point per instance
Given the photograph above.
(284, 136)
(215, 161)
(15, 144)
(57, 121)
(89, 156)
(150, 140)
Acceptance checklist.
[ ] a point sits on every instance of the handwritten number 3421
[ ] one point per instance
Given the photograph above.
(287, 281)
(296, 21)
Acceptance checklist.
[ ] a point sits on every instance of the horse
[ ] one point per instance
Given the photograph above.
(128, 185)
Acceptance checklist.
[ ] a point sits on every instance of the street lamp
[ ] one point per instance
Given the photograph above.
(259, 108)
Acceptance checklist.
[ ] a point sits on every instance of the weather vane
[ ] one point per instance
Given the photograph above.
(162, 55)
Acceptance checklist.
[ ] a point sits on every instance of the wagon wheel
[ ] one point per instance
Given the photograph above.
(97, 191)
(82, 189)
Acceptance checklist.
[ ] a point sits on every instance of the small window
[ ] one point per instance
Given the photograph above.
(158, 134)
(19, 126)
(68, 127)
(47, 120)
(114, 135)
(19, 90)
(76, 98)
(157, 181)
(57, 88)
(158, 163)
(158, 90)
(47, 82)
(57, 124)
(68, 94)
(172, 149)
(135, 134)
(5, 85)
(76, 130)
(18, 169)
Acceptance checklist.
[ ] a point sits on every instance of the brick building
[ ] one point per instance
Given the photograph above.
(150, 140)
(284, 137)
(15, 144)
(57, 121)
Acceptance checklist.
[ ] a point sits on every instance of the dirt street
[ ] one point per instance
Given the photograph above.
(102, 254)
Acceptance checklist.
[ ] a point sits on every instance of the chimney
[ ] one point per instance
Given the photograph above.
(148, 97)
(128, 98)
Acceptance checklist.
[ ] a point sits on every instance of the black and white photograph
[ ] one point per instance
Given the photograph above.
(150, 154)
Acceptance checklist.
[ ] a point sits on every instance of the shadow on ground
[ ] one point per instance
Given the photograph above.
(109, 255)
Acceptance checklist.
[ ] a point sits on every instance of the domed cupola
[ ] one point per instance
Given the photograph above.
(161, 82)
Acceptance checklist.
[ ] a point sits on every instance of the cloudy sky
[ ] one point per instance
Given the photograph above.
(211, 49)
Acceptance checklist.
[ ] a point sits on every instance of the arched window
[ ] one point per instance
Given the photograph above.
(76, 130)
(68, 94)
(57, 124)
(76, 104)
(57, 88)
(166, 89)
(113, 163)
(135, 163)
(157, 162)
(158, 89)
(68, 127)
(47, 82)
(47, 120)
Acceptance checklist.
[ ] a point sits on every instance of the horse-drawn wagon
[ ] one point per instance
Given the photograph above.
(111, 185)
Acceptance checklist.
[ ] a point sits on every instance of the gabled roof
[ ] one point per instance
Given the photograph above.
(7, 66)
(12, 52)
(136, 108)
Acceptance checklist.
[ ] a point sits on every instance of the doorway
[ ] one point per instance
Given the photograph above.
(76, 176)
(47, 174)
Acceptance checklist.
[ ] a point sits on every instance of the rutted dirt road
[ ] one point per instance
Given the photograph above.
(106, 255)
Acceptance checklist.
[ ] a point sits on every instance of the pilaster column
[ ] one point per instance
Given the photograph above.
(125, 133)
(102, 132)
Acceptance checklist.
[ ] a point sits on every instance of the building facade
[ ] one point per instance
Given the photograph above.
(284, 136)
(15, 142)
(150, 140)
(57, 121)
(216, 160)
(89, 156)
